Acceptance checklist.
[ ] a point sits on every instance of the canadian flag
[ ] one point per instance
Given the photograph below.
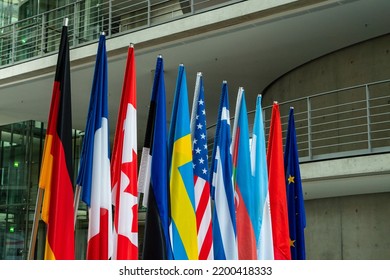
(124, 169)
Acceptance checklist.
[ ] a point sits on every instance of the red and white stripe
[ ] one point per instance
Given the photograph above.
(203, 218)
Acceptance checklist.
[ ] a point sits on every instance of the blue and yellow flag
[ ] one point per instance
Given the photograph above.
(181, 183)
(296, 209)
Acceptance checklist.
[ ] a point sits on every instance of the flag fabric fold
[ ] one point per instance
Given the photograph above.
(156, 243)
(183, 230)
(94, 173)
(277, 188)
(262, 221)
(296, 209)
(124, 169)
(57, 167)
(242, 178)
(221, 172)
(201, 172)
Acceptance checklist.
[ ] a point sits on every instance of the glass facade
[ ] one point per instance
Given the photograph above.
(12, 11)
(21, 147)
(9, 11)
(32, 28)
(17, 189)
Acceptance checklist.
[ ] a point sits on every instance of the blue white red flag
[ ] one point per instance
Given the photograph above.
(224, 216)
(94, 173)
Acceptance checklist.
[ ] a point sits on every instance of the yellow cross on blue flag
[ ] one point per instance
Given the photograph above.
(181, 180)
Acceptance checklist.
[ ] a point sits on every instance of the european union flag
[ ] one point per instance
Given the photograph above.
(296, 209)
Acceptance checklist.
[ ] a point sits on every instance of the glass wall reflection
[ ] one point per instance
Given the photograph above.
(21, 147)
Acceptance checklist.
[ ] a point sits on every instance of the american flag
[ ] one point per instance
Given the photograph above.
(201, 172)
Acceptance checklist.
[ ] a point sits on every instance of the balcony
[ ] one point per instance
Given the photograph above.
(39, 35)
(353, 121)
(344, 122)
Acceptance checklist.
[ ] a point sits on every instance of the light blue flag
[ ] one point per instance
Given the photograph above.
(242, 178)
(221, 171)
(262, 221)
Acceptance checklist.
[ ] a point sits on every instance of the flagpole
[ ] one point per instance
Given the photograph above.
(33, 238)
(38, 206)
(76, 202)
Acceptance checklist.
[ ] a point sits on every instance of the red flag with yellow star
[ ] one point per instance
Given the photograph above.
(277, 188)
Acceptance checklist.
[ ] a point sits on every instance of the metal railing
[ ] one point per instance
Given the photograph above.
(344, 122)
(39, 35)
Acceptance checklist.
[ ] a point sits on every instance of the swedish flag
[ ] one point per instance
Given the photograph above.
(181, 183)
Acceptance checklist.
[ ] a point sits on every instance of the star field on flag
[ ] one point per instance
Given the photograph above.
(200, 143)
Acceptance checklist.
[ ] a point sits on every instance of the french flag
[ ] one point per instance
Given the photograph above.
(94, 173)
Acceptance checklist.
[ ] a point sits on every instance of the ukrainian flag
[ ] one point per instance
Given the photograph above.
(181, 183)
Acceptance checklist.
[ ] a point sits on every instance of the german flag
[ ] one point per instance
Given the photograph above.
(55, 177)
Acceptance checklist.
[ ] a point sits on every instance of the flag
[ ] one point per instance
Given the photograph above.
(94, 173)
(124, 169)
(262, 221)
(156, 244)
(224, 216)
(243, 184)
(201, 172)
(296, 208)
(56, 170)
(277, 188)
(181, 180)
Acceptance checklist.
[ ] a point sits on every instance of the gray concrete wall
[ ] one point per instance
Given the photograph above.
(359, 64)
(350, 227)
(342, 227)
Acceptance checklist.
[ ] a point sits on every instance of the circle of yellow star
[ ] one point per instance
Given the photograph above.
(291, 179)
